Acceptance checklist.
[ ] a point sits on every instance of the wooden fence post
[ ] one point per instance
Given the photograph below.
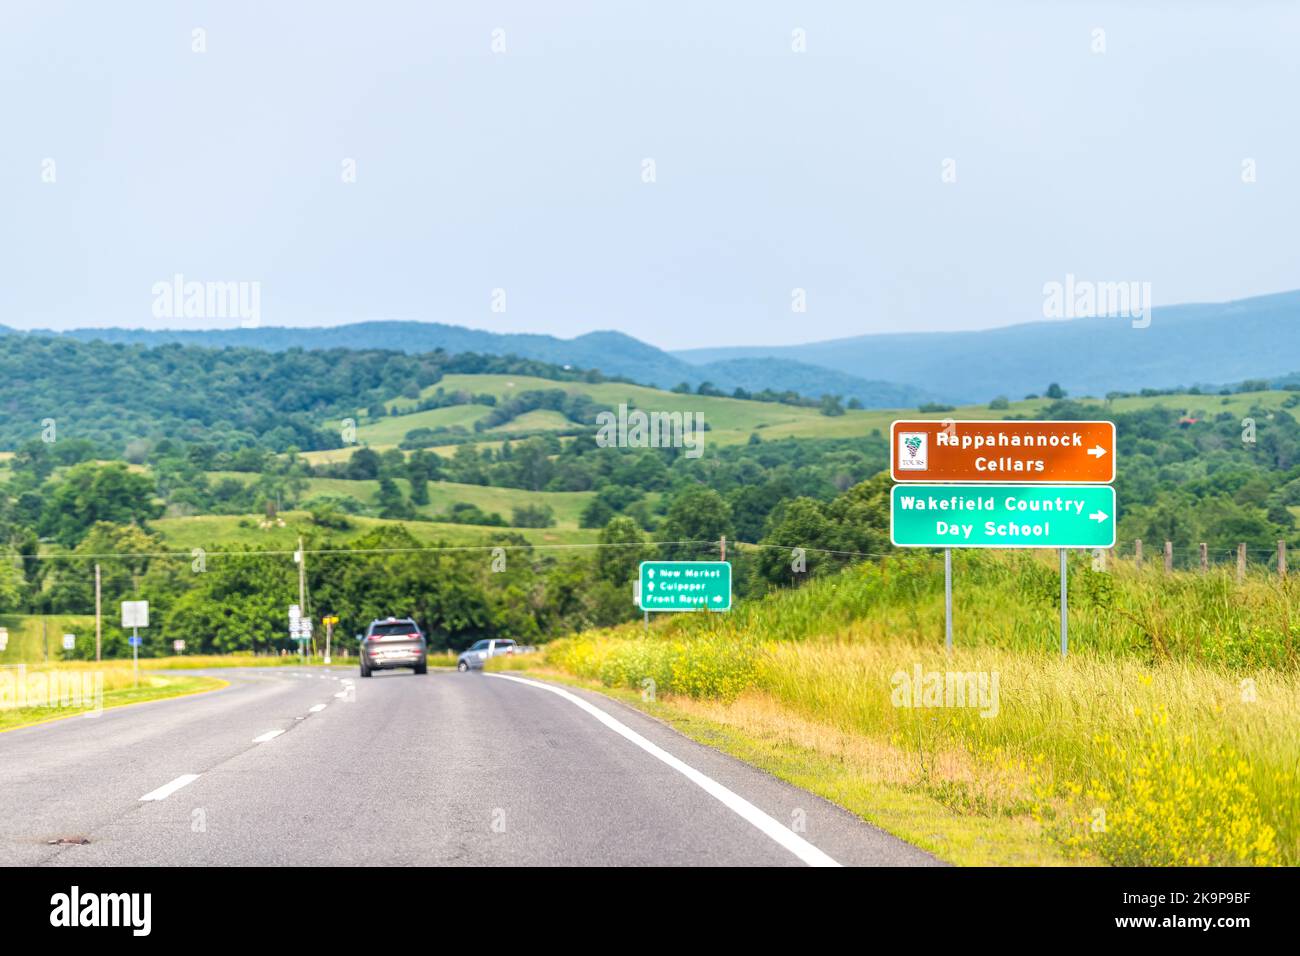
(1169, 556)
(1281, 559)
(1205, 559)
(1241, 562)
(1137, 553)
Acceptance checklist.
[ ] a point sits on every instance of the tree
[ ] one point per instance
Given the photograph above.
(91, 493)
(831, 405)
(363, 465)
(698, 514)
(389, 500)
(596, 514)
(533, 516)
(850, 527)
(620, 551)
(72, 590)
(1055, 391)
(12, 587)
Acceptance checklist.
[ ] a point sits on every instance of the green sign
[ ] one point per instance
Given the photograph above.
(1002, 516)
(684, 586)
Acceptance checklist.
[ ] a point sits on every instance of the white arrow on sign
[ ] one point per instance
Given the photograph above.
(1099, 516)
(1096, 451)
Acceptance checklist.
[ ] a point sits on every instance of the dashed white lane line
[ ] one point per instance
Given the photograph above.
(167, 789)
(316, 709)
(269, 735)
(341, 694)
(733, 801)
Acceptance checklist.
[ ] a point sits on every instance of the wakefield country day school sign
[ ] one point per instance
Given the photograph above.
(1002, 484)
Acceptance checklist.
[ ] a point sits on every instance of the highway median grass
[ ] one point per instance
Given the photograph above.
(1169, 736)
(36, 694)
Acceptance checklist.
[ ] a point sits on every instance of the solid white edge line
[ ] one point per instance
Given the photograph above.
(735, 802)
(269, 735)
(167, 789)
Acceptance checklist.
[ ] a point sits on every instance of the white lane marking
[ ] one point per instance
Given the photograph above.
(341, 694)
(269, 735)
(316, 709)
(167, 789)
(729, 798)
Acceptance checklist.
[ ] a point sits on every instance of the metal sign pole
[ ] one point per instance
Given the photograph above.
(1065, 619)
(947, 598)
(135, 652)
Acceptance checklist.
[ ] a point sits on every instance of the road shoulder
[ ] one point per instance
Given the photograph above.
(848, 838)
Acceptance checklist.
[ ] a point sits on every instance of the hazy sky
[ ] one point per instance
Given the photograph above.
(523, 170)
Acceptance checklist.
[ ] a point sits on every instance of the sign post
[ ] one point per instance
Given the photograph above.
(1002, 484)
(329, 622)
(295, 624)
(135, 615)
(1065, 616)
(947, 599)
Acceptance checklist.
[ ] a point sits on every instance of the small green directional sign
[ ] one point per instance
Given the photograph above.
(685, 586)
(1002, 516)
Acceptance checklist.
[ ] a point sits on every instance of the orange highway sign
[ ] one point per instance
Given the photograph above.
(1003, 451)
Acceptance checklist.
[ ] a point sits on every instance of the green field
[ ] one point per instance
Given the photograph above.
(733, 420)
(27, 642)
(393, 428)
(567, 505)
(215, 532)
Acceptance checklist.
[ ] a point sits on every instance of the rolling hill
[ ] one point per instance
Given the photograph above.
(613, 353)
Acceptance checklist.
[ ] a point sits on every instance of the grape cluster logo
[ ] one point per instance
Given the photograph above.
(913, 451)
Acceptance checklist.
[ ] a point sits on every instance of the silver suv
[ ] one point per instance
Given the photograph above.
(394, 642)
(481, 651)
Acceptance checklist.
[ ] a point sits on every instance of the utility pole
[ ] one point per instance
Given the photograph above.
(99, 621)
(302, 586)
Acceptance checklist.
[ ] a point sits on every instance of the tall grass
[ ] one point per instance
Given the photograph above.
(1011, 600)
(1170, 735)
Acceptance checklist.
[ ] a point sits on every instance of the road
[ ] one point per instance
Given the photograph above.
(291, 766)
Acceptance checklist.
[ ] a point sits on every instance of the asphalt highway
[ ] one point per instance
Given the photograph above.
(297, 766)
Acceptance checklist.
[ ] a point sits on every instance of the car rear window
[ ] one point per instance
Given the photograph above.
(397, 627)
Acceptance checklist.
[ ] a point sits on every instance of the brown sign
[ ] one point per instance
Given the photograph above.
(1003, 451)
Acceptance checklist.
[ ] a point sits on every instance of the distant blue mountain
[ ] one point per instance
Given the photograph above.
(1183, 345)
